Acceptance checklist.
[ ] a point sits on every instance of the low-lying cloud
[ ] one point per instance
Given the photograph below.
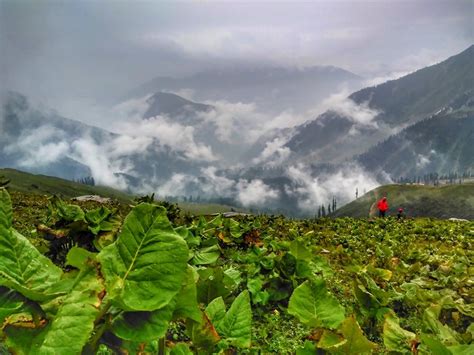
(274, 153)
(361, 114)
(112, 158)
(178, 137)
(246, 192)
(255, 192)
(312, 191)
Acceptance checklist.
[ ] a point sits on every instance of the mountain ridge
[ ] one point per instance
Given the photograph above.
(172, 105)
(377, 102)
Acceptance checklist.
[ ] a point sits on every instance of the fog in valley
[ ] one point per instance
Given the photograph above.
(253, 104)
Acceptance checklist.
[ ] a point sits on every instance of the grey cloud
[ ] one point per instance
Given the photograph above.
(58, 50)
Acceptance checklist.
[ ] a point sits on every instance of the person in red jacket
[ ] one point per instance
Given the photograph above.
(382, 205)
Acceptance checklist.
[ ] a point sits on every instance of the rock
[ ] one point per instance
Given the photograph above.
(230, 214)
(95, 198)
(458, 220)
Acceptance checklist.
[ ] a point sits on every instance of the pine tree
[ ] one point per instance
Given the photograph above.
(323, 211)
(319, 212)
(329, 208)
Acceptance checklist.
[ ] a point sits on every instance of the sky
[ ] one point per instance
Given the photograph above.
(57, 51)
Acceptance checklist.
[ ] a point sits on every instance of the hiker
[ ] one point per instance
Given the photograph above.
(382, 205)
(400, 214)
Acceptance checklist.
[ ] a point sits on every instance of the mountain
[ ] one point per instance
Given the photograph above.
(422, 93)
(442, 143)
(30, 138)
(417, 201)
(42, 142)
(332, 138)
(371, 115)
(272, 89)
(172, 105)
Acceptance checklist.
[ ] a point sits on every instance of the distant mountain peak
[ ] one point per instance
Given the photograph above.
(172, 105)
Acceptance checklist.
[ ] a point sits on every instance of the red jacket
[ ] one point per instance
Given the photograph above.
(382, 205)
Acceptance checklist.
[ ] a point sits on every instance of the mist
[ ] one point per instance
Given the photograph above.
(268, 73)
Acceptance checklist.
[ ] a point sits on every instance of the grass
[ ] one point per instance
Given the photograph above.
(444, 201)
(47, 185)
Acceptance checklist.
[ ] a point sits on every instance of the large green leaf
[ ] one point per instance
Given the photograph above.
(331, 341)
(308, 348)
(145, 267)
(395, 338)
(72, 325)
(96, 216)
(236, 326)
(216, 311)
(143, 326)
(254, 285)
(10, 302)
(313, 305)
(78, 257)
(463, 349)
(432, 324)
(211, 284)
(299, 250)
(23, 341)
(203, 333)
(348, 340)
(431, 345)
(181, 349)
(22, 267)
(356, 342)
(70, 213)
(104, 225)
(205, 256)
(186, 299)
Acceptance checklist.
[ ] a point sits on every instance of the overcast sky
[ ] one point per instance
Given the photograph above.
(93, 49)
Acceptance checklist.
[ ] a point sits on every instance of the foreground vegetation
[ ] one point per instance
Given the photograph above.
(114, 278)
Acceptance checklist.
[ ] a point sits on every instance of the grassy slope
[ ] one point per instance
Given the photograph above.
(48, 185)
(417, 201)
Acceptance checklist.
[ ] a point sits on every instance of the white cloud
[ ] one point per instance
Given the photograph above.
(235, 122)
(210, 184)
(423, 161)
(240, 123)
(274, 153)
(176, 185)
(254, 192)
(216, 185)
(177, 137)
(40, 146)
(312, 191)
(377, 80)
(97, 158)
(360, 114)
